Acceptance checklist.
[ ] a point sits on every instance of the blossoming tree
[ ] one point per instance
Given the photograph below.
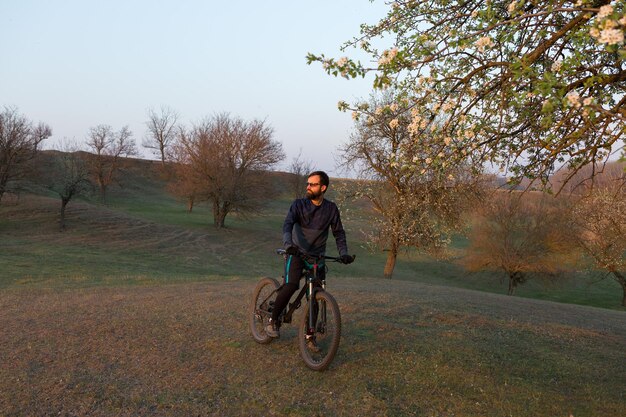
(416, 194)
(531, 85)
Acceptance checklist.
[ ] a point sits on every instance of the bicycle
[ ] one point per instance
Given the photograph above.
(321, 320)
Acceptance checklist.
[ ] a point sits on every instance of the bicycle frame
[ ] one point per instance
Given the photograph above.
(309, 290)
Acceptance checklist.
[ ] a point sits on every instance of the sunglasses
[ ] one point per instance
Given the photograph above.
(312, 184)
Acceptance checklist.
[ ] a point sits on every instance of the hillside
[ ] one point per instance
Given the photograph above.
(139, 308)
(144, 235)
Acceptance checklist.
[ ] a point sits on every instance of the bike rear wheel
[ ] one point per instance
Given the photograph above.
(261, 308)
(326, 335)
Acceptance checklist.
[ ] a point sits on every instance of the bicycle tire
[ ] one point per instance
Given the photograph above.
(327, 333)
(259, 314)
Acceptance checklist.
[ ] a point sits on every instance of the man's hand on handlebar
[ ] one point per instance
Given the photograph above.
(347, 259)
(291, 250)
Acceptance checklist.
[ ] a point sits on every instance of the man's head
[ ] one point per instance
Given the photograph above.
(317, 184)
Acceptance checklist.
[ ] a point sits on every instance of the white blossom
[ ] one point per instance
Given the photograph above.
(605, 11)
(573, 99)
(388, 56)
(512, 7)
(556, 66)
(611, 36)
(341, 62)
(484, 42)
(421, 80)
(448, 105)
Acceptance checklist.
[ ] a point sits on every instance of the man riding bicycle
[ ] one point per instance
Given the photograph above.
(305, 231)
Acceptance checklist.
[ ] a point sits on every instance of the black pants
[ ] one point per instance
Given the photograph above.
(294, 268)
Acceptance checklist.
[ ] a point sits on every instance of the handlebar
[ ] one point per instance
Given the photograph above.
(328, 258)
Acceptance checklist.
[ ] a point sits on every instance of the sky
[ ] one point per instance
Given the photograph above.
(75, 64)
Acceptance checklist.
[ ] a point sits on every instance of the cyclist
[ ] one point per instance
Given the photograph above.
(305, 231)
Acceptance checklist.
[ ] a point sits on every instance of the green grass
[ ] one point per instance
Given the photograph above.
(145, 232)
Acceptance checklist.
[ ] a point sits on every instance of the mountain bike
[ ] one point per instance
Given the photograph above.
(321, 320)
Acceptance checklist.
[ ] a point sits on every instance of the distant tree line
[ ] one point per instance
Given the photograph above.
(222, 160)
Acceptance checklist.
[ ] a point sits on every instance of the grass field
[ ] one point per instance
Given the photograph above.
(139, 308)
(407, 349)
(152, 238)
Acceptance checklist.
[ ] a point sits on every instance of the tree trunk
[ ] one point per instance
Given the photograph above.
(64, 202)
(512, 283)
(218, 221)
(190, 201)
(391, 260)
(3, 186)
(621, 279)
(103, 194)
(219, 214)
(162, 149)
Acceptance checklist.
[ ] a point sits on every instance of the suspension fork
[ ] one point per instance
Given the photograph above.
(312, 291)
(311, 324)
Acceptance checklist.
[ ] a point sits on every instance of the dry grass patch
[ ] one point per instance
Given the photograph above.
(407, 349)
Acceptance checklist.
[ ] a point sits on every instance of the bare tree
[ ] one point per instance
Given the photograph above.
(185, 182)
(228, 158)
(19, 141)
(519, 234)
(598, 225)
(300, 168)
(161, 131)
(109, 150)
(68, 177)
(582, 182)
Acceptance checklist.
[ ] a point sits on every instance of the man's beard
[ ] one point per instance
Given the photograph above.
(313, 196)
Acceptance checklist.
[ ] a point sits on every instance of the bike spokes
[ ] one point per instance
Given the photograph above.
(319, 348)
(261, 308)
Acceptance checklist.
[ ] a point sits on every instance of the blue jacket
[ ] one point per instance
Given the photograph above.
(306, 226)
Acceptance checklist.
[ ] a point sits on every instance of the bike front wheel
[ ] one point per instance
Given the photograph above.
(325, 335)
(261, 308)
